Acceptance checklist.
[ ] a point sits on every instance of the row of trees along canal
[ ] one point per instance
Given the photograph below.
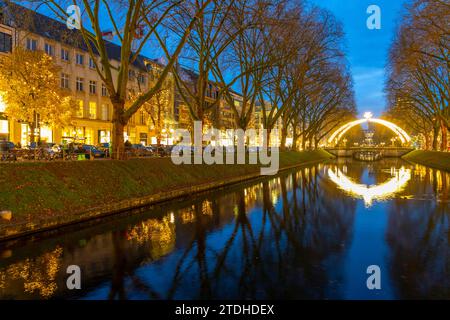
(284, 56)
(418, 84)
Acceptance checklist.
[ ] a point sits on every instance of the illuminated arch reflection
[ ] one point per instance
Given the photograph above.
(400, 178)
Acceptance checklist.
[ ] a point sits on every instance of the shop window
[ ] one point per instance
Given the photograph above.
(143, 139)
(104, 136)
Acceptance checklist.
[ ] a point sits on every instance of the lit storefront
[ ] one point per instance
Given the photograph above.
(4, 123)
(104, 136)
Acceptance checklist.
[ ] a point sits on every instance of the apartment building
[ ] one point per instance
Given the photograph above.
(92, 123)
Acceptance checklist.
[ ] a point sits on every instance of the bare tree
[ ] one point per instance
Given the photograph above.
(136, 24)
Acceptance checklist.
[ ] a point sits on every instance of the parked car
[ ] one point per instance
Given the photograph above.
(140, 150)
(162, 151)
(92, 150)
(6, 151)
(105, 147)
(150, 150)
(10, 145)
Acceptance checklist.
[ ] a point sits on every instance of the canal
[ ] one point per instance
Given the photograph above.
(308, 233)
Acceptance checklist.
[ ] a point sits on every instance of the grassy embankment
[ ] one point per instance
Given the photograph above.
(47, 194)
(433, 159)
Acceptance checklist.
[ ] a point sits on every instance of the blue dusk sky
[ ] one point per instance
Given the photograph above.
(367, 50)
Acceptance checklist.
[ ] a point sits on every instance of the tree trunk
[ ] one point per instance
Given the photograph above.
(295, 141)
(283, 138)
(443, 138)
(119, 123)
(435, 136)
(427, 141)
(118, 143)
(268, 134)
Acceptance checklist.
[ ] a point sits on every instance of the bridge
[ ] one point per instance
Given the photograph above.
(382, 151)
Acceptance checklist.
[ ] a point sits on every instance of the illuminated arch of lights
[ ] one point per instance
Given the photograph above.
(369, 193)
(339, 133)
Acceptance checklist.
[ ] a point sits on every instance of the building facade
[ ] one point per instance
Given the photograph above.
(92, 122)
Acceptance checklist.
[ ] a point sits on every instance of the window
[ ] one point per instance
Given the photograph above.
(64, 54)
(92, 110)
(64, 81)
(143, 138)
(80, 59)
(104, 90)
(105, 112)
(80, 111)
(91, 63)
(142, 117)
(141, 79)
(131, 74)
(80, 84)
(5, 42)
(31, 44)
(104, 136)
(92, 87)
(49, 49)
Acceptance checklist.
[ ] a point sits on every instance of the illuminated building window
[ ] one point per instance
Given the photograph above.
(104, 136)
(2, 105)
(104, 115)
(24, 134)
(92, 110)
(4, 127)
(80, 111)
(46, 134)
(89, 136)
(143, 138)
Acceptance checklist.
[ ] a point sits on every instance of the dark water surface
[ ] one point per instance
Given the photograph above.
(310, 233)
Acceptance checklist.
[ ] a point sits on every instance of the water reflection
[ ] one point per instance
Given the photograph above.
(382, 191)
(292, 236)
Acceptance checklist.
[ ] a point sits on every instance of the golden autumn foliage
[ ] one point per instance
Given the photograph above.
(30, 84)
